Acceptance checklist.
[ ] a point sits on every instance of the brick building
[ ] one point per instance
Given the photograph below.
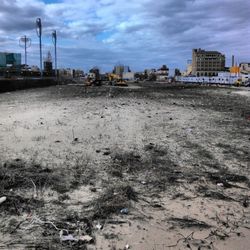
(207, 63)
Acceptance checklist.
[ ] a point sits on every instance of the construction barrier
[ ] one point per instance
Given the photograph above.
(7, 85)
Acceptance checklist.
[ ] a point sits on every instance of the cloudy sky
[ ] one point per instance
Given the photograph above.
(139, 33)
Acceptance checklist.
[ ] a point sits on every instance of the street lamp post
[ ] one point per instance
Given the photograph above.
(39, 34)
(54, 40)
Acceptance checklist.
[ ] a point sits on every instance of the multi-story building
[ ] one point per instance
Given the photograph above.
(10, 59)
(10, 62)
(245, 68)
(207, 63)
(130, 76)
(162, 73)
(120, 69)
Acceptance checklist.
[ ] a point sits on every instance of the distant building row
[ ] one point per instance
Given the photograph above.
(211, 63)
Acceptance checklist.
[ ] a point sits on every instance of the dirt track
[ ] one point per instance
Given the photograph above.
(177, 157)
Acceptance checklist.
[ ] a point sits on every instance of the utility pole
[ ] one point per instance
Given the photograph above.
(39, 34)
(54, 40)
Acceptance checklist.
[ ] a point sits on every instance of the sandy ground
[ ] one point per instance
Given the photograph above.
(176, 157)
(244, 92)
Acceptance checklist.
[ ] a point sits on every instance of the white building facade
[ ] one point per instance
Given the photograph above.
(223, 78)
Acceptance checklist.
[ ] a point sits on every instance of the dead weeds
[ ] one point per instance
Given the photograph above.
(112, 200)
(187, 222)
(18, 174)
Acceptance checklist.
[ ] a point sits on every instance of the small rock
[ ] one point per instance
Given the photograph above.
(107, 153)
(156, 205)
(245, 203)
(124, 211)
(86, 238)
(127, 246)
(220, 184)
(2, 199)
(93, 189)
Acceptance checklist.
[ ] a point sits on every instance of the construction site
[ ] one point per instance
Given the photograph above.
(151, 157)
(136, 165)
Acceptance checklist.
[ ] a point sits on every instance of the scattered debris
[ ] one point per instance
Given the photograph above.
(107, 153)
(188, 222)
(93, 189)
(124, 211)
(2, 199)
(220, 184)
(150, 146)
(127, 246)
(86, 238)
(246, 202)
(99, 226)
(112, 201)
(68, 237)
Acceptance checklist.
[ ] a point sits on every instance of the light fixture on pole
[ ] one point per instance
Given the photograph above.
(25, 42)
(39, 34)
(54, 40)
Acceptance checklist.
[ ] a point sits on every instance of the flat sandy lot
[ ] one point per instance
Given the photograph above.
(150, 166)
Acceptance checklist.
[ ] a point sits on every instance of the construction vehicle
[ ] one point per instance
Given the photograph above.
(116, 80)
(94, 77)
(238, 83)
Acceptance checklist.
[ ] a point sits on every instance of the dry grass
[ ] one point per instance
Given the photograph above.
(112, 200)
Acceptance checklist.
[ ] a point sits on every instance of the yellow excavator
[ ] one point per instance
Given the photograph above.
(238, 83)
(94, 77)
(116, 80)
